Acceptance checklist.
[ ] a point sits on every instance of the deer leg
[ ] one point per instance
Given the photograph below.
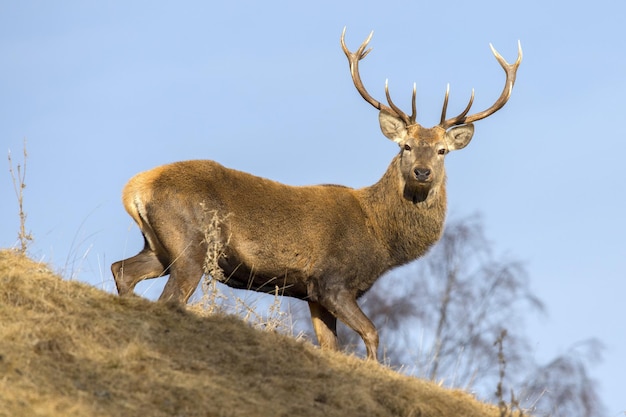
(128, 272)
(184, 278)
(344, 306)
(325, 326)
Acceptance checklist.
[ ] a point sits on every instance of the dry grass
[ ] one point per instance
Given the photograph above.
(68, 349)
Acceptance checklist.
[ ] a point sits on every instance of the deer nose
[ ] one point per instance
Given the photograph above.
(422, 174)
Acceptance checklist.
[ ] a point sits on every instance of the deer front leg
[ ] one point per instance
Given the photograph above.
(343, 305)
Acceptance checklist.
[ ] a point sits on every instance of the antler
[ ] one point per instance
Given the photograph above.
(511, 72)
(353, 59)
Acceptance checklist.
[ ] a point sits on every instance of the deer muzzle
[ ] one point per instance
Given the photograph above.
(422, 174)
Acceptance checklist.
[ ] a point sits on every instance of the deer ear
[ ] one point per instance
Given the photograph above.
(392, 126)
(458, 137)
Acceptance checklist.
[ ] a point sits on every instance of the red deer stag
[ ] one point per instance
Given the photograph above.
(325, 244)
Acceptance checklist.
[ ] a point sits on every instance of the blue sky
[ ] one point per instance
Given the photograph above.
(103, 90)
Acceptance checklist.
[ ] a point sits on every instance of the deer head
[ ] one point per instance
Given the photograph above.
(422, 150)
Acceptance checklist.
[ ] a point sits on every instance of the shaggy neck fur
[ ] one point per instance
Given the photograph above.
(409, 220)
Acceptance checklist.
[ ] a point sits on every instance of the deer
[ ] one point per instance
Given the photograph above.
(325, 244)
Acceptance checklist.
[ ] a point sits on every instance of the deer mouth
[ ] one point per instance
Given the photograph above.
(421, 181)
(418, 191)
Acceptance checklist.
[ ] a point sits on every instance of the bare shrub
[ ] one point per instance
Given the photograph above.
(218, 299)
(212, 297)
(506, 407)
(18, 176)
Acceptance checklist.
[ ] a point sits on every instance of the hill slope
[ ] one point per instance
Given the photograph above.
(68, 349)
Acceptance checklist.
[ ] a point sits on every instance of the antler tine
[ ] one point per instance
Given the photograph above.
(511, 73)
(353, 59)
(396, 109)
(359, 53)
(445, 106)
(413, 105)
(457, 120)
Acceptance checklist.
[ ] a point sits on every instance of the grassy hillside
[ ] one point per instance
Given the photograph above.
(68, 349)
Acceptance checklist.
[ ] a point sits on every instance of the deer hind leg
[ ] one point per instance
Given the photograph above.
(128, 272)
(325, 326)
(344, 306)
(185, 275)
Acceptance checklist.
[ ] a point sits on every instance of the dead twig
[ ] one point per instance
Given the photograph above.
(18, 176)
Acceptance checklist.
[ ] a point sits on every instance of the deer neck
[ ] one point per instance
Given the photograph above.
(407, 221)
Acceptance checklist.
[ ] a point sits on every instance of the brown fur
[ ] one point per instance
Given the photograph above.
(326, 244)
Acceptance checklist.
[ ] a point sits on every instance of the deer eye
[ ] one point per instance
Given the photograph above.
(441, 151)
(407, 147)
